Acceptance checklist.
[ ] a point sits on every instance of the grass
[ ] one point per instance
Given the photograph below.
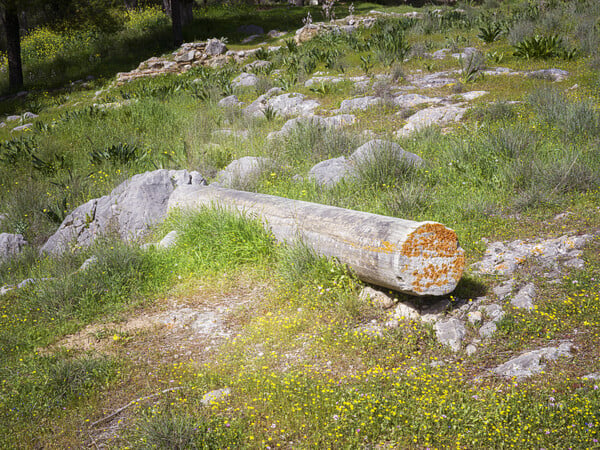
(308, 363)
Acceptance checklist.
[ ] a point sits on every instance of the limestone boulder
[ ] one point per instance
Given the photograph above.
(11, 245)
(128, 211)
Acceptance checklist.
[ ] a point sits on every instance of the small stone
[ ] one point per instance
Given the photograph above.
(406, 311)
(591, 376)
(487, 330)
(230, 101)
(88, 263)
(215, 47)
(169, 240)
(470, 349)
(549, 74)
(215, 396)
(26, 127)
(530, 363)
(450, 332)
(30, 115)
(493, 311)
(503, 289)
(245, 80)
(524, 298)
(474, 317)
(377, 297)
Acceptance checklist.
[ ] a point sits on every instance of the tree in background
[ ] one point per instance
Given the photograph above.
(9, 13)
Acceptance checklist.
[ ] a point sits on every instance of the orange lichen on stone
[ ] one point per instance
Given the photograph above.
(431, 240)
(385, 247)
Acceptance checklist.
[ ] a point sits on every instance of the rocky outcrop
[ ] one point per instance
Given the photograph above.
(129, 210)
(285, 105)
(11, 245)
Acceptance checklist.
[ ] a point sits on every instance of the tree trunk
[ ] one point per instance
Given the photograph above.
(299, 2)
(418, 258)
(177, 24)
(13, 48)
(167, 7)
(187, 12)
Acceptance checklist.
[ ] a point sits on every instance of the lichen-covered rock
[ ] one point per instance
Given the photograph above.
(291, 104)
(330, 172)
(129, 210)
(435, 115)
(530, 363)
(450, 332)
(215, 47)
(243, 171)
(376, 147)
(11, 245)
(245, 80)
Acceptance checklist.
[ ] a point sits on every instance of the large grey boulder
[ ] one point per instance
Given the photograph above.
(129, 210)
(11, 245)
(330, 172)
(243, 171)
(435, 115)
(532, 362)
(230, 101)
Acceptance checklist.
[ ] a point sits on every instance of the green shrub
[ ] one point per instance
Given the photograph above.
(144, 19)
(490, 32)
(389, 41)
(543, 47)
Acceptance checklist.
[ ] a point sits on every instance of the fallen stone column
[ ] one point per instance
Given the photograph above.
(418, 258)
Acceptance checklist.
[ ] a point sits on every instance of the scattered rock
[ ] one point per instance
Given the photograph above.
(504, 258)
(88, 263)
(502, 290)
(11, 245)
(13, 118)
(450, 332)
(30, 115)
(215, 47)
(377, 297)
(471, 349)
(466, 53)
(530, 363)
(250, 38)
(524, 298)
(441, 54)
(494, 312)
(274, 34)
(435, 115)
(129, 210)
(549, 74)
(243, 171)
(474, 317)
(406, 311)
(360, 103)
(215, 396)
(433, 80)
(487, 330)
(591, 376)
(332, 122)
(239, 134)
(472, 95)
(25, 127)
(291, 104)
(411, 100)
(374, 148)
(245, 80)
(330, 172)
(255, 65)
(230, 101)
(169, 240)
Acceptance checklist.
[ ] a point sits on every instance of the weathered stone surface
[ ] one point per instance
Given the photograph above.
(493, 311)
(11, 245)
(591, 376)
(274, 34)
(441, 54)
(487, 330)
(466, 53)
(472, 95)
(474, 317)
(433, 80)
(435, 115)
(230, 101)
(378, 298)
(420, 258)
(504, 258)
(13, 118)
(374, 148)
(332, 122)
(525, 297)
(245, 80)
(291, 104)
(549, 74)
(30, 115)
(406, 311)
(412, 100)
(450, 332)
(215, 396)
(243, 171)
(360, 103)
(129, 210)
(258, 64)
(330, 172)
(239, 134)
(250, 38)
(215, 47)
(25, 127)
(186, 56)
(530, 363)
(502, 290)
